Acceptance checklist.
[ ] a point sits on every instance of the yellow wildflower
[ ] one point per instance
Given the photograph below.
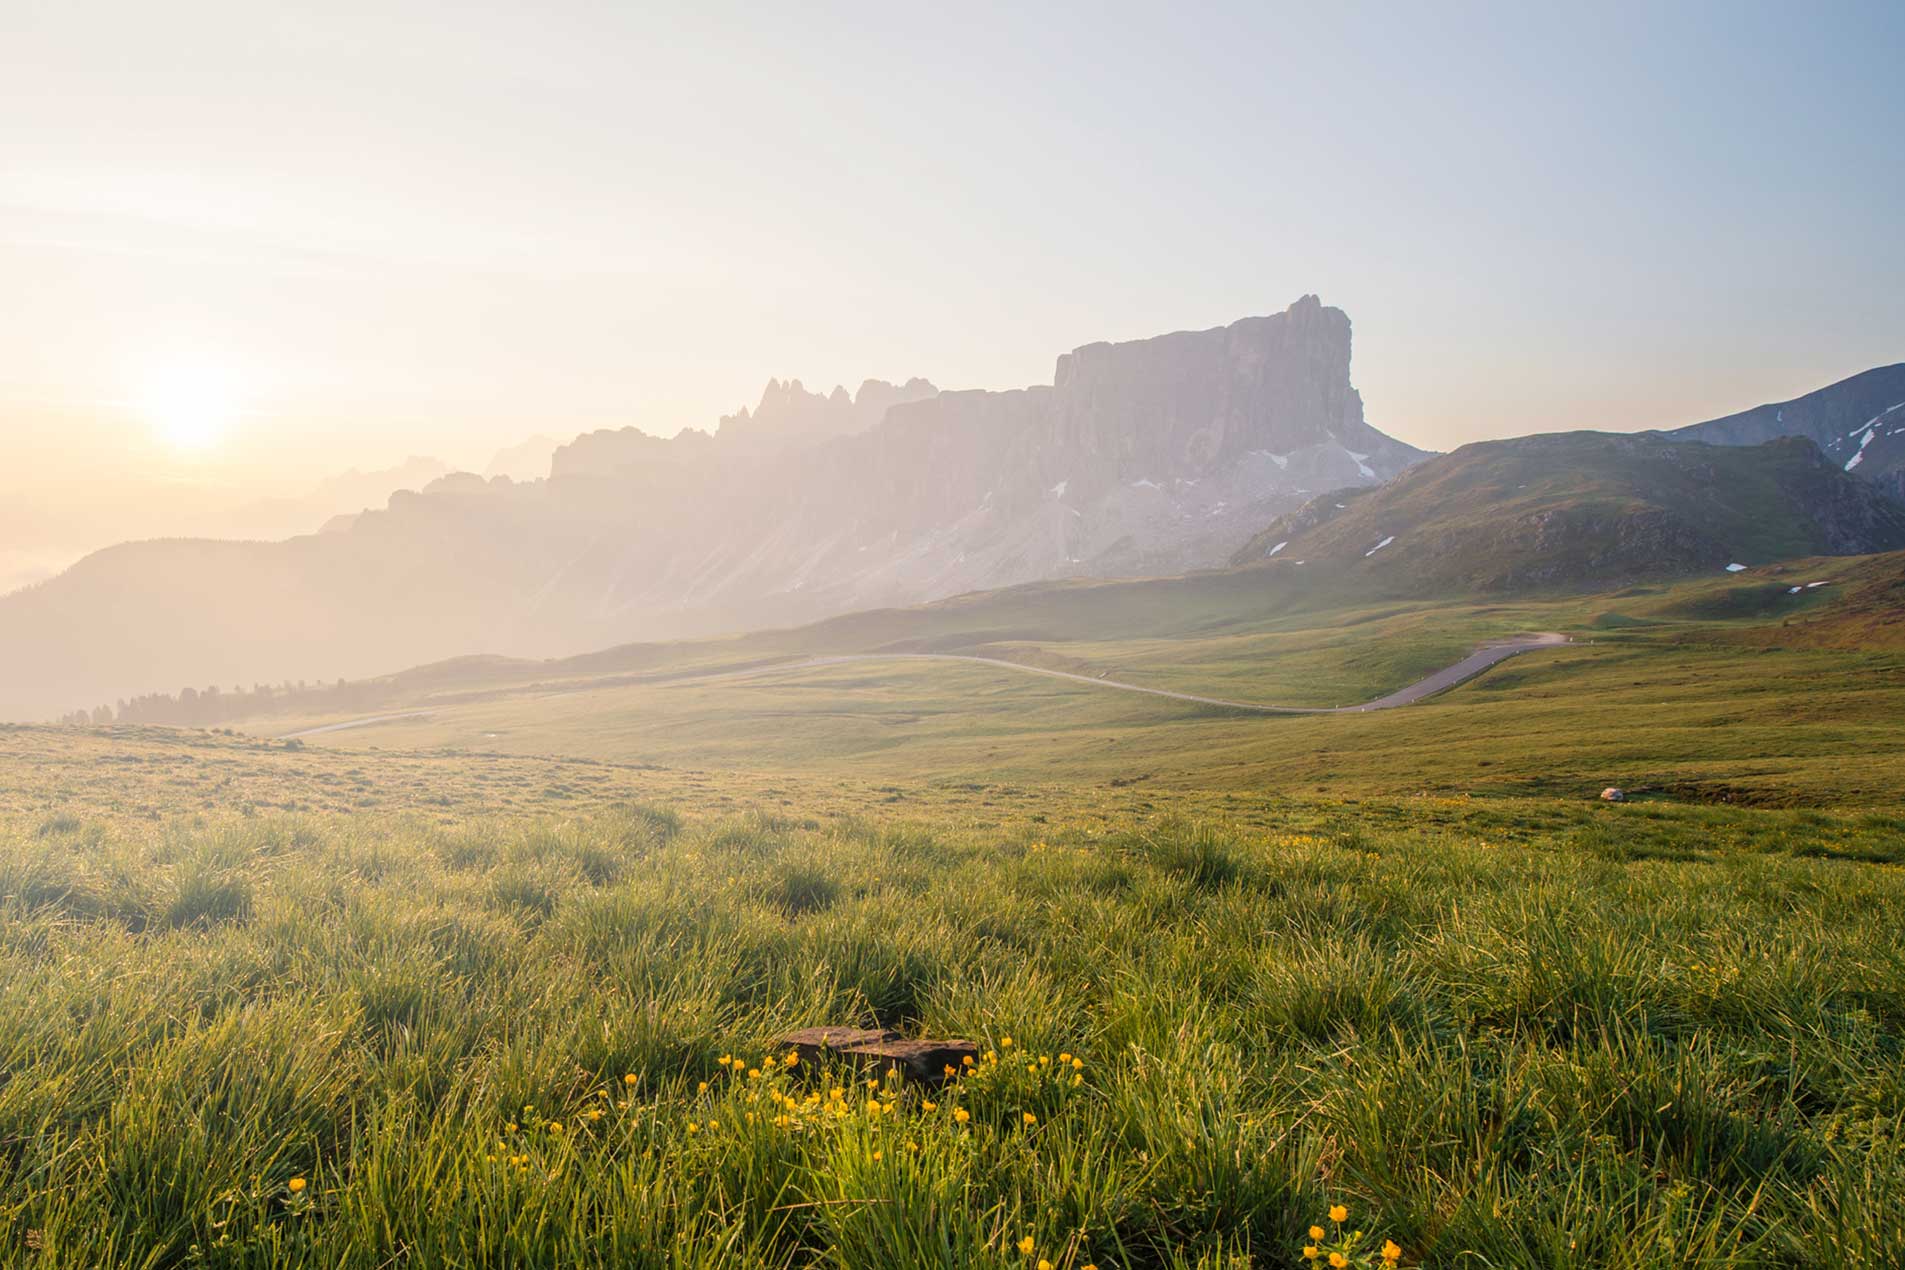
(630, 1080)
(927, 1104)
(791, 1060)
(1338, 1261)
(555, 1126)
(961, 1115)
(295, 1185)
(1316, 1232)
(1390, 1252)
(1026, 1245)
(1309, 1252)
(1030, 1119)
(1339, 1214)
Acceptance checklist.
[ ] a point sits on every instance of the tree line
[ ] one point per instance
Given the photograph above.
(204, 707)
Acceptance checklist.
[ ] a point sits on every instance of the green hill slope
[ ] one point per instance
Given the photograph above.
(1585, 509)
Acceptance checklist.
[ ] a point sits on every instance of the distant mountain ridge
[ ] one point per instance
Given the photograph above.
(1584, 509)
(1858, 422)
(1147, 456)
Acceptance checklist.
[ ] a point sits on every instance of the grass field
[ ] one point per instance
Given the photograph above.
(464, 990)
(1512, 1031)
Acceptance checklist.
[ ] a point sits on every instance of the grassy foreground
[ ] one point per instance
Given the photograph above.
(1499, 1034)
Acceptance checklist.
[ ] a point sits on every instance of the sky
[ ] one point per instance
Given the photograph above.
(271, 242)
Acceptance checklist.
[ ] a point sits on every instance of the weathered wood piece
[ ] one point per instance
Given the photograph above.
(813, 1042)
(922, 1061)
(925, 1061)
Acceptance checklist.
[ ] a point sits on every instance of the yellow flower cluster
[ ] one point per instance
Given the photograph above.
(1028, 1245)
(1344, 1248)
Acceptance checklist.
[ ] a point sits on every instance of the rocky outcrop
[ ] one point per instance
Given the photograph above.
(789, 416)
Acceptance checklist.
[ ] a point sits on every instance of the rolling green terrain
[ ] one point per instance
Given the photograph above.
(1736, 688)
(456, 989)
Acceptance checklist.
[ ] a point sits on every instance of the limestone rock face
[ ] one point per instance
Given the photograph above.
(1180, 404)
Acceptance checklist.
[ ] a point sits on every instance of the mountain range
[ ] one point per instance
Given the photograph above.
(1150, 456)
(1859, 423)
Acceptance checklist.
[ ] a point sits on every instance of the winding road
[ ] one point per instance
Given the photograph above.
(1447, 677)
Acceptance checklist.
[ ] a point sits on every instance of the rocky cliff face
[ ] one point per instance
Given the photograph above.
(1150, 456)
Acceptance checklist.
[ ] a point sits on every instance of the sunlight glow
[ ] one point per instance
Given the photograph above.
(189, 403)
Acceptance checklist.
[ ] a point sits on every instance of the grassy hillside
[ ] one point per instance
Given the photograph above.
(1755, 687)
(410, 1027)
(1585, 509)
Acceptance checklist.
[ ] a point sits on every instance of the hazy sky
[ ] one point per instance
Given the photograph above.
(368, 230)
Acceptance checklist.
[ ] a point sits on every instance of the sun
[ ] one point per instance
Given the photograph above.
(191, 404)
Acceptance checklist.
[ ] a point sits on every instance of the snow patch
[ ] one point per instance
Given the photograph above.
(1736, 568)
(1379, 546)
(1794, 590)
(1811, 585)
(1281, 460)
(1871, 430)
(1146, 483)
(1059, 489)
(1362, 463)
(1279, 547)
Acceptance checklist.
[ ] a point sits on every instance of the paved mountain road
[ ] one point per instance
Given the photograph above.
(1449, 676)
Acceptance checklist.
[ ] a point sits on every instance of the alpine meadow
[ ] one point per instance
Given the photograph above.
(475, 795)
